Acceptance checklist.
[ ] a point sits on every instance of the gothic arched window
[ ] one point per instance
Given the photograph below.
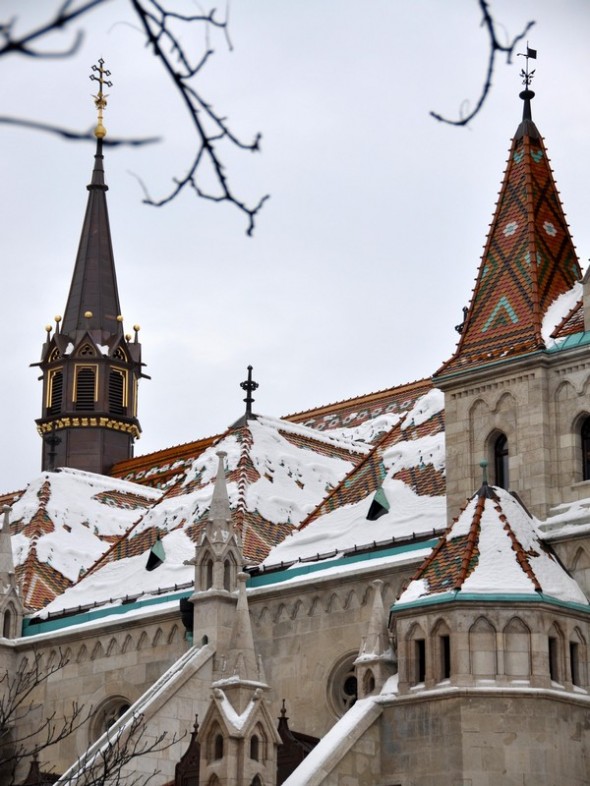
(585, 435)
(7, 626)
(117, 392)
(502, 477)
(85, 393)
(55, 392)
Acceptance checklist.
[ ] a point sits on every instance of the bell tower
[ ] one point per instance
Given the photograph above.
(90, 367)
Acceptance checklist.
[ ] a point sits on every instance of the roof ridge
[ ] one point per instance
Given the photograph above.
(361, 398)
(356, 468)
(517, 547)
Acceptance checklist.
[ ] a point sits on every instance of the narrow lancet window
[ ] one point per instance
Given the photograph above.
(502, 478)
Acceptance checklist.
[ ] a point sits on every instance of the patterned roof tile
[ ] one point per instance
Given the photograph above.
(528, 261)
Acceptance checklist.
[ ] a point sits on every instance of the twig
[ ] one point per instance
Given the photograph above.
(495, 48)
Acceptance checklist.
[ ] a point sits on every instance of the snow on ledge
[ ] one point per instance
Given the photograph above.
(314, 769)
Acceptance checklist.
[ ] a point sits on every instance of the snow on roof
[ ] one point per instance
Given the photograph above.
(558, 310)
(425, 408)
(129, 576)
(569, 518)
(347, 527)
(492, 548)
(278, 473)
(66, 520)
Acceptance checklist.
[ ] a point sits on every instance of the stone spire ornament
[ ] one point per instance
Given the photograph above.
(7, 575)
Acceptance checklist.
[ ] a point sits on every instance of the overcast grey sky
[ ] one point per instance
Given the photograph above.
(367, 250)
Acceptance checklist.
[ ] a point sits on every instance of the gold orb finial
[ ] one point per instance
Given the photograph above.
(57, 318)
(100, 99)
(88, 314)
(48, 328)
(137, 328)
(119, 318)
(127, 336)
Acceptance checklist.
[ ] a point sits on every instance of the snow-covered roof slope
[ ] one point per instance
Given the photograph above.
(277, 473)
(492, 548)
(64, 521)
(405, 468)
(558, 311)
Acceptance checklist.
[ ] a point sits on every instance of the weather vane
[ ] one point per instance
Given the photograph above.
(527, 77)
(100, 99)
(249, 386)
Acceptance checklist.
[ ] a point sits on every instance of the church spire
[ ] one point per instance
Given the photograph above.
(93, 302)
(90, 367)
(529, 257)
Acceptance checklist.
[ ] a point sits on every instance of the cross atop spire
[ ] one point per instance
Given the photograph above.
(100, 99)
(249, 386)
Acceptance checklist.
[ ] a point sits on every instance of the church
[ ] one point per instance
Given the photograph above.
(391, 590)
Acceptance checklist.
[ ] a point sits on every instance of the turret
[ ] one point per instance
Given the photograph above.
(90, 367)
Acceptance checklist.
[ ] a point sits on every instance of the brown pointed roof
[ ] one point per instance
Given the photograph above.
(528, 261)
(94, 282)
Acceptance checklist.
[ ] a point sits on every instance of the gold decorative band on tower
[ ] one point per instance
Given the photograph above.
(89, 422)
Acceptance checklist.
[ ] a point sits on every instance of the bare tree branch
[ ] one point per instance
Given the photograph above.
(17, 701)
(495, 47)
(108, 762)
(76, 136)
(175, 61)
(166, 34)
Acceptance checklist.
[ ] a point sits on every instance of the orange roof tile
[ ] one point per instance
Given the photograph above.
(528, 261)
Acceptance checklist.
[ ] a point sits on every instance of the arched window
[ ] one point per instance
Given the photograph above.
(585, 435)
(7, 624)
(209, 573)
(555, 654)
(254, 748)
(502, 477)
(117, 392)
(517, 649)
(256, 781)
(107, 715)
(229, 572)
(218, 747)
(85, 388)
(416, 644)
(441, 640)
(55, 392)
(368, 683)
(483, 649)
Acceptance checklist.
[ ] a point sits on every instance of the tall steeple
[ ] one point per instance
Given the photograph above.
(528, 261)
(90, 367)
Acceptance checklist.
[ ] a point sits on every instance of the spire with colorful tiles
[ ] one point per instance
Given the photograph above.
(529, 257)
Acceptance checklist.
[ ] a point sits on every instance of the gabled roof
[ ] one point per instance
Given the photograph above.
(94, 282)
(370, 413)
(529, 259)
(278, 472)
(492, 549)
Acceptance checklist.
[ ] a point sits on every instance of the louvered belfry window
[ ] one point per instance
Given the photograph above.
(85, 387)
(56, 386)
(117, 393)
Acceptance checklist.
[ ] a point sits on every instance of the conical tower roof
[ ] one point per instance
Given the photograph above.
(94, 282)
(492, 549)
(528, 261)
